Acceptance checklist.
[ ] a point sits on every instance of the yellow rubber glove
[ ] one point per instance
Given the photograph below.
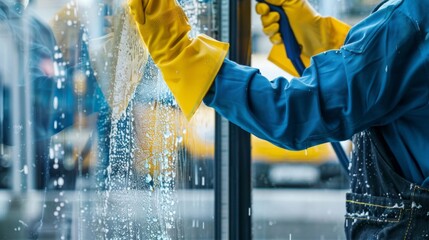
(313, 32)
(188, 65)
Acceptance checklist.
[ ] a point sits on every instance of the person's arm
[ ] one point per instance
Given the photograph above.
(374, 79)
(292, 115)
(341, 93)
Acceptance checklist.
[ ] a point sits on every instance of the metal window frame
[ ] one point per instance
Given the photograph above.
(233, 188)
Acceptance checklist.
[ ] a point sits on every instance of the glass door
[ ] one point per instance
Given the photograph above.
(93, 144)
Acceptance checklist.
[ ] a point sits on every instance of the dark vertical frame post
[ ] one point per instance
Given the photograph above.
(239, 141)
(232, 155)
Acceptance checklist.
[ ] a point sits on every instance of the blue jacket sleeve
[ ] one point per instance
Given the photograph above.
(342, 92)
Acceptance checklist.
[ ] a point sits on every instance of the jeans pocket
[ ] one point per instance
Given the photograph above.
(371, 217)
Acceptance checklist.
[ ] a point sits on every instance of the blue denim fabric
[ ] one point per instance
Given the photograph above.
(382, 204)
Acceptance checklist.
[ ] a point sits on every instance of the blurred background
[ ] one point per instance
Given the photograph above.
(93, 145)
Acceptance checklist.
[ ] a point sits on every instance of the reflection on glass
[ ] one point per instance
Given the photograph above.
(92, 143)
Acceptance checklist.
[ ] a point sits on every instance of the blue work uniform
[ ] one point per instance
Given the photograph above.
(375, 90)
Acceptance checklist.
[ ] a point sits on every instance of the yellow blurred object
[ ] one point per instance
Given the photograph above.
(159, 129)
(66, 27)
(313, 32)
(163, 135)
(199, 139)
(264, 151)
(199, 142)
(156, 128)
(188, 65)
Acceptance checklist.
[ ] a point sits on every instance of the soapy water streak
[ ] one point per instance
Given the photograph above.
(139, 159)
(139, 199)
(119, 58)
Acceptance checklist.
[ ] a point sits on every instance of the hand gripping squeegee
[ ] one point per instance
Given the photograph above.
(293, 52)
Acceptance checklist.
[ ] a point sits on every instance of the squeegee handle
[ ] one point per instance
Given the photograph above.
(293, 49)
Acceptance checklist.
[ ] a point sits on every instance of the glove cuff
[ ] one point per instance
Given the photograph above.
(188, 65)
(279, 57)
(191, 74)
(338, 31)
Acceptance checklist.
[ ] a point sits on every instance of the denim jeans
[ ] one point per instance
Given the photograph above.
(382, 204)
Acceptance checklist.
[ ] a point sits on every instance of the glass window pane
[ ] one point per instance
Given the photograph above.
(299, 194)
(92, 143)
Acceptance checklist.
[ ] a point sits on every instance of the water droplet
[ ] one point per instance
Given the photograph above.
(55, 103)
(60, 181)
(23, 223)
(148, 178)
(85, 37)
(167, 134)
(25, 169)
(59, 84)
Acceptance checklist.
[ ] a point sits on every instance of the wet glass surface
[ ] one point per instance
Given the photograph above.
(299, 195)
(93, 144)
